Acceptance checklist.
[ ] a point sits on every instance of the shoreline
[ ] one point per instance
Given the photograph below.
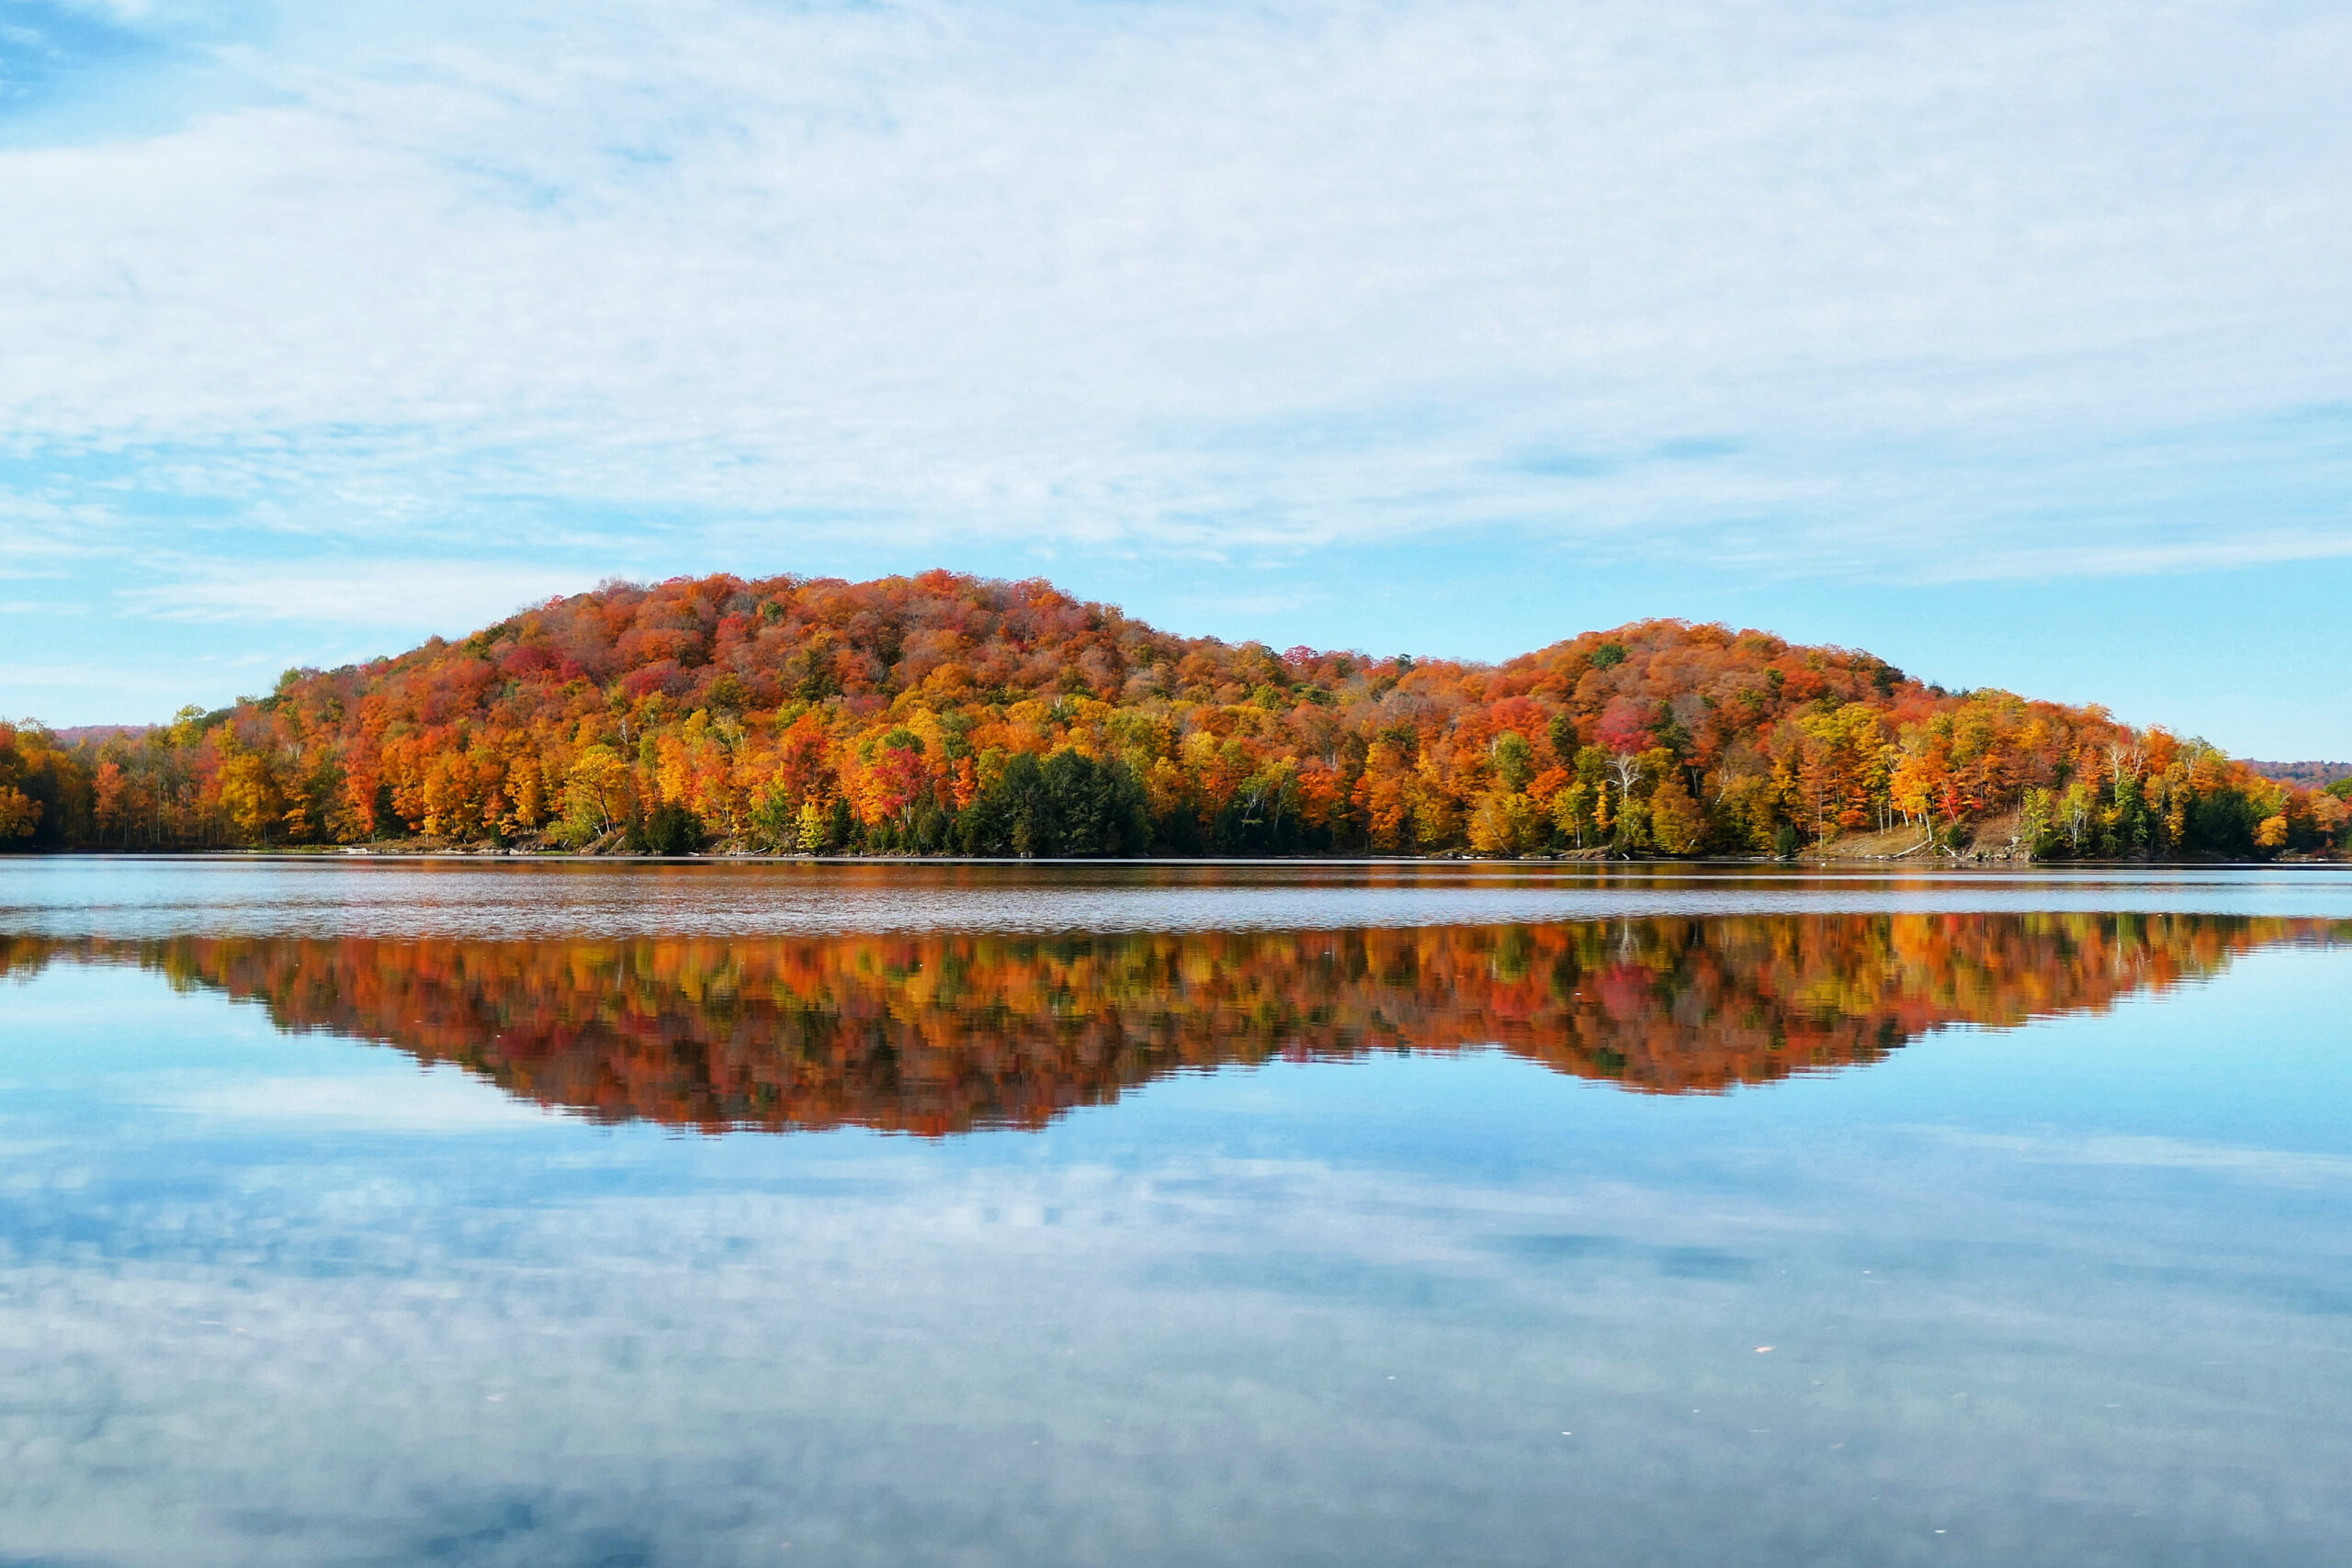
(1945, 863)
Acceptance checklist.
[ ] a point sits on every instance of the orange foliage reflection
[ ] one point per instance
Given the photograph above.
(943, 1033)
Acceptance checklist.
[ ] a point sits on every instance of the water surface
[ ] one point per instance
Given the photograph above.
(378, 1213)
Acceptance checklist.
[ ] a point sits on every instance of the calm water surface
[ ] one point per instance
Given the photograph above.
(362, 1212)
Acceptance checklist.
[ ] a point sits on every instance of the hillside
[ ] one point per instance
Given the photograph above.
(951, 714)
(2310, 775)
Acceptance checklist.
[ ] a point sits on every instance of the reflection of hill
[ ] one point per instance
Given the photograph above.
(941, 1033)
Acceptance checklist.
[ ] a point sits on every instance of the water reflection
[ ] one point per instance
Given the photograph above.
(943, 1033)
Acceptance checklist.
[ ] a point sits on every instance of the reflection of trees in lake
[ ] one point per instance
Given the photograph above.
(941, 1034)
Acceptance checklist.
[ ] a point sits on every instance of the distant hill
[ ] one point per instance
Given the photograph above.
(943, 713)
(2310, 775)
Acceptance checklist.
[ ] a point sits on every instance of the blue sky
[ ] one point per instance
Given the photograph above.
(2012, 342)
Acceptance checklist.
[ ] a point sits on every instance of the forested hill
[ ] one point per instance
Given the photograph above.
(2310, 775)
(951, 714)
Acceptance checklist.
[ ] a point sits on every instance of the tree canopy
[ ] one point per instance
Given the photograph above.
(943, 713)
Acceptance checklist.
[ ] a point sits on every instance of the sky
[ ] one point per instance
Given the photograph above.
(2012, 342)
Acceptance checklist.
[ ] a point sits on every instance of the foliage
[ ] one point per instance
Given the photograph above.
(948, 714)
(45, 792)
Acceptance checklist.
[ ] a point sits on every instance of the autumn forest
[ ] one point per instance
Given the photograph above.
(950, 715)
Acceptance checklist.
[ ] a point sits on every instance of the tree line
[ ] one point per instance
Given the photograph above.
(945, 714)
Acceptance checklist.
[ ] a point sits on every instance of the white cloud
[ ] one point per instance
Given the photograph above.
(1202, 277)
(95, 677)
(440, 1099)
(352, 592)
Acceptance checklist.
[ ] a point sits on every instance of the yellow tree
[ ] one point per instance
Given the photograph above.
(1677, 824)
(1844, 769)
(1504, 823)
(596, 791)
(1572, 810)
(249, 793)
(19, 813)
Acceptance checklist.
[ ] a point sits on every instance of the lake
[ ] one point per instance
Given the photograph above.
(498, 1212)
